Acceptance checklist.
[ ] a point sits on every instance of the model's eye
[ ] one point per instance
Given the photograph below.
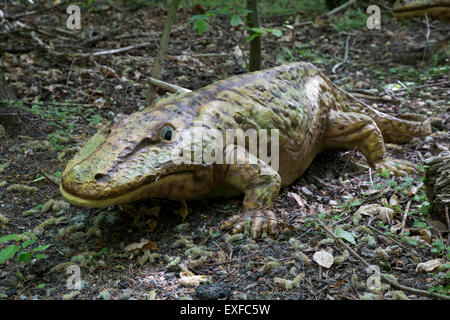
(167, 133)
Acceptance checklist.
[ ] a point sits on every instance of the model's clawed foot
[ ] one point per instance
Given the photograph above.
(397, 167)
(260, 220)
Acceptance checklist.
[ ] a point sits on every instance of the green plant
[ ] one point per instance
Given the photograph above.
(440, 249)
(23, 251)
(351, 19)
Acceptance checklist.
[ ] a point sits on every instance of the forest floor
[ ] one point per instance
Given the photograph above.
(151, 253)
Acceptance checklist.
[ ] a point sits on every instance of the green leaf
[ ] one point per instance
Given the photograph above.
(41, 248)
(276, 32)
(27, 243)
(41, 285)
(350, 237)
(24, 257)
(201, 25)
(8, 252)
(8, 237)
(40, 256)
(235, 20)
(252, 36)
(257, 30)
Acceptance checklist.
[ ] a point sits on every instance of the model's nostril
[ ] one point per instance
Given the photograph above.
(101, 177)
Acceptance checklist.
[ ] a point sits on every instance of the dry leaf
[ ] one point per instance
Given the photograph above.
(183, 210)
(368, 209)
(188, 279)
(396, 228)
(323, 258)
(386, 214)
(393, 201)
(134, 246)
(425, 235)
(429, 265)
(300, 200)
(108, 72)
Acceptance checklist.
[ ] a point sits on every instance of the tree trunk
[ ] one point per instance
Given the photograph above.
(255, 44)
(10, 121)
(157, 67)
(437, 184)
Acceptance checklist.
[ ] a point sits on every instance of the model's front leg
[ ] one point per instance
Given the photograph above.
(260, 184)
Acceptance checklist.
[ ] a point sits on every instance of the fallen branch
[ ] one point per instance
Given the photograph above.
(405, 215)
(337, 65)
(118, 50)
(167, 86)
(47, 48)
(340, 8)
(384, 277)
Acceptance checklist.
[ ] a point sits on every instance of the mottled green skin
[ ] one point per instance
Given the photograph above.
(128, 160)
(435, 9)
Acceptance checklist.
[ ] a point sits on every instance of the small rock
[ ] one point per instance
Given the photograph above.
(370, 296)
(104, 295)
(366, 252)
(11, 281)
(126, 294)
(213, 291)
(80, 258)
(400, 295)
(181, 227)
(71, 295)
(307, 192)
(239, 296)
(3, 219)
(381, 253)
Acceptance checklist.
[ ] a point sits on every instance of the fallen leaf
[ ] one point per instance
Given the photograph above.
(425, 235)
(300, 200)
(341, 233)
(323, 258)
(187, 279)
(183, 210)
(135, 245)
(368, 209)
(386, 214)
(429, 265)
(393, 201)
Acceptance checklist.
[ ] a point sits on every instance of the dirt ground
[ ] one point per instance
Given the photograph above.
(143, 250)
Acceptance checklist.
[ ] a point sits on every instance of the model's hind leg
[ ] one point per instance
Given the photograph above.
(351, 129)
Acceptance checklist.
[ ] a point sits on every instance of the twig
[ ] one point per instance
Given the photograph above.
(234, 39)
(337, 65)
(48, 178)
(396, 242)
(405, 215)
(340, 8)
(84, 55)
(448, 225)
(157, 67)
(375, 98)
(427, 35)
(30, 13)
(112, 51)
(167, 86)
(384, 277)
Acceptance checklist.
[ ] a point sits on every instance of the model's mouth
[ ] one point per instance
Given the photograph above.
(154, 188)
